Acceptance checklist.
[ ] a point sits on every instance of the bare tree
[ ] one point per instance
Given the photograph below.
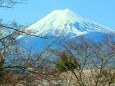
(96, 60)
(10, 3)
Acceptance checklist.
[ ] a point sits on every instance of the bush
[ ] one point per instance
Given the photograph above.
(66, 62)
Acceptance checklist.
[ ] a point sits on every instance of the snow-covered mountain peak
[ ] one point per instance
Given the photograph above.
(61, 11)
(63, 23)
(66, 10)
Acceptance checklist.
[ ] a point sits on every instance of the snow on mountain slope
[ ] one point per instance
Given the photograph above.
(63, 23)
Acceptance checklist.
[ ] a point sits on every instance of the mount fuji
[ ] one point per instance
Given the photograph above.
(65, 24)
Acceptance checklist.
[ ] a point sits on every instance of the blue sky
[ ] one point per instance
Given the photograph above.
(100, 11)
